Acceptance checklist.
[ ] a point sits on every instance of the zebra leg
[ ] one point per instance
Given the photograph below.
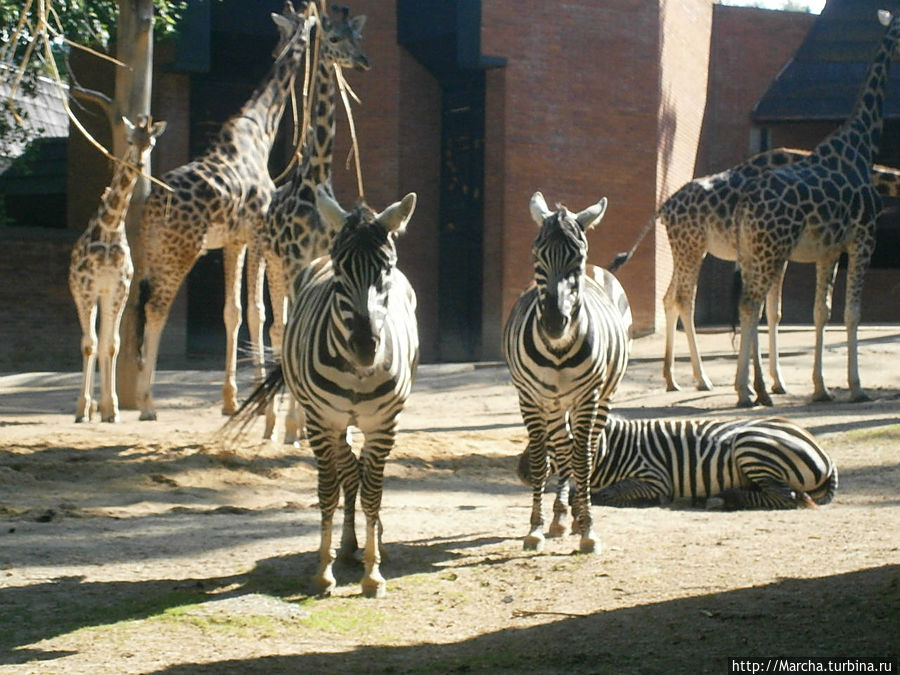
(768, 495)
(628, 492)
(585, 423)
(377, 447)
(560, 445)
(321, 441)
(558, 527)
(348, 475)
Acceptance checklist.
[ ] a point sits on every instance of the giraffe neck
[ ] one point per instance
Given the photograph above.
(862, 130)
(316, 169)
(258, 119)
(110, 214)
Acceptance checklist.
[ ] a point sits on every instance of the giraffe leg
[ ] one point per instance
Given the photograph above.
(759, 380)
(825, 273)
(156, 295)
(233, 257)
(320, 440)
(856, 269)
(679, 303)
(377, 447)
(773, 318)
(256, 309)
(111, 309)
(87, 317)
(749, 313)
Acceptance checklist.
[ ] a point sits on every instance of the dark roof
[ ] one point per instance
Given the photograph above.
(822, 81)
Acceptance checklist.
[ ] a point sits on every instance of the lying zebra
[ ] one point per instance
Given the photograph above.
(740, 464)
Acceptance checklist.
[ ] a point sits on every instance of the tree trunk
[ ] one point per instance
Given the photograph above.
(133, 89)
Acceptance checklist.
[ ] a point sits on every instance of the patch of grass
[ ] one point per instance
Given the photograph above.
(343, 615)
(864, 434)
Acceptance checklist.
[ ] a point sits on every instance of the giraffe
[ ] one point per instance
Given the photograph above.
(217, 200)
(699, 219)
(101, 269)
(812, 211)
(292, 234)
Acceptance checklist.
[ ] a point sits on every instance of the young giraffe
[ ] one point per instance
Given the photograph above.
(812, 211)
(217, 201)
(699, 219)
(292, 234)
(101, 271)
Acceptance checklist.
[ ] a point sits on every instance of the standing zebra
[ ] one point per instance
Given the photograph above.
(567, 349)
(349, 356)
(740, 464)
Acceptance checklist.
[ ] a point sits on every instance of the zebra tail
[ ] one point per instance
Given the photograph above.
(824, 494)
(255, 404)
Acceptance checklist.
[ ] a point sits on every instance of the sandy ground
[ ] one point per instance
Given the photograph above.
(159, 547)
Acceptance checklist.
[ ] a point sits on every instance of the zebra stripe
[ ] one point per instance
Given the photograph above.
(765, 464)
(567, 349)
(349, 356)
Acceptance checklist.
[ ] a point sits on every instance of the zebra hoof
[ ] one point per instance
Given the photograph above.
(557, 530)
(589, 544)
(534, 542)
(147, 417)
(715, 504)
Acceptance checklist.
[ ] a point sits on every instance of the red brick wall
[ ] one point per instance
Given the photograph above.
(578, 103)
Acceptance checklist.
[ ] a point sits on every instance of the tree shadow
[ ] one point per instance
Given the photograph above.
(798, 618)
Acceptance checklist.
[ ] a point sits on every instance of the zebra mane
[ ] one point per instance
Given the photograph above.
(562, 226)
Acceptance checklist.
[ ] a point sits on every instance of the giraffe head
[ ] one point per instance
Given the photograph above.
(560, 259)
(293, 29)
(341, 40)
(364, 257)
(142, 136)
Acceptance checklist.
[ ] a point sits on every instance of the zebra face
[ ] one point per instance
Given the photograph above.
(560, 257)
(364, 258)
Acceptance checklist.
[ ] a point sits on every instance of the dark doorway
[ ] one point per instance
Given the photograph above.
(461, 218)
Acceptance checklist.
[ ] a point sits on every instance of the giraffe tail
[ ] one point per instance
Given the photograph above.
(625, 256)
(141, 318)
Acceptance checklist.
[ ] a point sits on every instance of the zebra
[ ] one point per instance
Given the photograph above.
(349, 357)
(567, 349)
(769, 463)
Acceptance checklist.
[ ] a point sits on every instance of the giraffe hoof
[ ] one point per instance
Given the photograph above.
(860, 397)
(764, 399)
(112, 419)
(672, 387)
(822, 397)
(374, 587)
(147, 417)
(704, 386)
(744, 403)
(778, 389)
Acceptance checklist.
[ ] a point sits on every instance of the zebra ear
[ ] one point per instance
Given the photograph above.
(591, 215)
(538, 208)
(329, 209)
(397, 215)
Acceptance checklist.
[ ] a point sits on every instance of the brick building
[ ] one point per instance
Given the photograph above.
(474, 106)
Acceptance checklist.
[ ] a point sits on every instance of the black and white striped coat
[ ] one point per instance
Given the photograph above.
(349, 356)
(567, 349)
(767, 463)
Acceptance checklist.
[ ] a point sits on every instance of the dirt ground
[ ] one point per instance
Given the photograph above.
(159, 548)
